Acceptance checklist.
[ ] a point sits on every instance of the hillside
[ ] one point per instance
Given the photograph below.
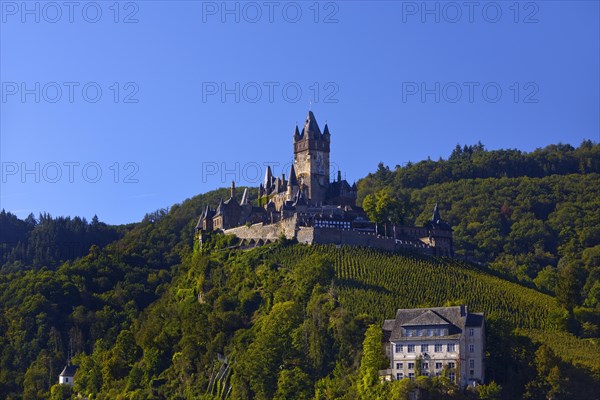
(146, 313)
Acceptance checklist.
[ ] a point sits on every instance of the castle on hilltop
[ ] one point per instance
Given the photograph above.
(310, 207)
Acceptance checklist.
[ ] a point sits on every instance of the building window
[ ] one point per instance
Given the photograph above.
(411, 376)
(411, 348)
(67, 380)
(472, 373)
(420, 332)
(399, 376)
(410, 332)
(425, 373)
(437, 348)
(398, 348)
(451, 348)
(451, 365)
(429, 332)
(471, 363)
(471, 332)
(398, 365)
(438, 365)
(452, 376)
(411, 365)
(471, 348)
(425, 365)
(424, 348)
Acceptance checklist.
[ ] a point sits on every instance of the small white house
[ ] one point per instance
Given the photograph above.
(67, 375)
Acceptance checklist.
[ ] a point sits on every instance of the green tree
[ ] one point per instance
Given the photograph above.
(61, 392)
(371, 362)
(293, 384)
(491, 391)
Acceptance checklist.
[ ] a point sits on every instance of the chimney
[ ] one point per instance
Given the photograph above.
(232, 189)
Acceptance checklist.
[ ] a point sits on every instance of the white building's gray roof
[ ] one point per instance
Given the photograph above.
(455, 319)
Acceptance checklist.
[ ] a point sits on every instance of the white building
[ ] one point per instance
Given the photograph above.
(438, 339)
(67, 375)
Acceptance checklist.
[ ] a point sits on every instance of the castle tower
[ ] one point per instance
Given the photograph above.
(311, 159)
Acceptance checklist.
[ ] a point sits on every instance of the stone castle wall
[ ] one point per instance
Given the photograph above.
(310, 235)
(286, 227)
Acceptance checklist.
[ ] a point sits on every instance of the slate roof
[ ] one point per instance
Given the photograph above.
(293, 179)
(311, 127)
(436, 220)
(429, 317)
(69, 370)
(455, 318)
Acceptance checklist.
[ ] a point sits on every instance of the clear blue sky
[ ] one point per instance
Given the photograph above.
(395, 80)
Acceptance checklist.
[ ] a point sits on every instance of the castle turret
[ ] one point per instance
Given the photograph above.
(311, 159)
(268, 181)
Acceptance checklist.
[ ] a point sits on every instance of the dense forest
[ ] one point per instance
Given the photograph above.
(145, 313)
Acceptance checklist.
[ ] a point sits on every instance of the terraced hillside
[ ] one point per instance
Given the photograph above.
(377, 283)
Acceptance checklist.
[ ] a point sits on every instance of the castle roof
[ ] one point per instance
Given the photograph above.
(220, 208)
(300, 200)
(268, 179)
(245, 197)
(311, 128)
(293, 179)
(436, 220)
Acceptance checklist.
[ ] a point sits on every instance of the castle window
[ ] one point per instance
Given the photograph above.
(438, 365)
(471, 363)
(429, 332)
(411, 348)
(424, 348)
(398, 365)
(399, 376)
(398, 348)
(411, 365)
(451, 365)
(471, 332)
(411, 376)
(471, 348)
(425, 365)
(452, 376)
(437, 348)
(451, 347)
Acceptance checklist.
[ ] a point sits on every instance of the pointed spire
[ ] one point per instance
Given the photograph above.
(233, 189)
(436, 213)
(199, 223)
(268, 179)
(293, 179)
(297, 135)
(326, 131)
(220, 207)
(339, 175)
(311, 128)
